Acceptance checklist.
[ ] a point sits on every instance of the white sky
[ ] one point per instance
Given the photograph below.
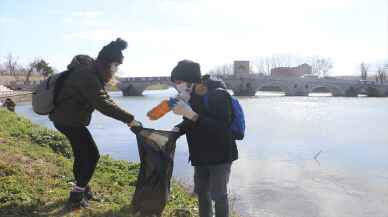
(213, 32)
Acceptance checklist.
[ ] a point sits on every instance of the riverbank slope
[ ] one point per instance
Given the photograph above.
(36, 175)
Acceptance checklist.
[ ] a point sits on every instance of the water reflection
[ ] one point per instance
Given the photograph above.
(277, 174)
(276, 187)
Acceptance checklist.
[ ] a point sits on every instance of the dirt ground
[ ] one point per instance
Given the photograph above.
(6, 79)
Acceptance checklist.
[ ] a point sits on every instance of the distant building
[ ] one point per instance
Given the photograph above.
(240, 67)
(298, 71)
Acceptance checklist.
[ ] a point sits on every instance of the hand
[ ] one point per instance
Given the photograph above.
(182, 108)
(134, 123)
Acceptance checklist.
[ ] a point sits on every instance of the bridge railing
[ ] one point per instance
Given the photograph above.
(297, 79)
(159, 78)
(265, 78)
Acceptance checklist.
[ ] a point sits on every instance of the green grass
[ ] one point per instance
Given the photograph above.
(36, 176)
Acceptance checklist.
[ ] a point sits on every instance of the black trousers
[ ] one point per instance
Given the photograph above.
(85, 152)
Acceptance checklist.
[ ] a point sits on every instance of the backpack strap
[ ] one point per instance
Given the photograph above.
(206, 101)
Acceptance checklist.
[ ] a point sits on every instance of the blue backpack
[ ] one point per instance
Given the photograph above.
(238, 120)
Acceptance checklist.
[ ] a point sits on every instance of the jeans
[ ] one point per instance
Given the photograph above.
(211, 184)
(85, 152)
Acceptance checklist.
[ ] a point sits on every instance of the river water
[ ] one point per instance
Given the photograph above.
(276, 174)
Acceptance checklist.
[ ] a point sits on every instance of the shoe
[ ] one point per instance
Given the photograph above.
(76, 201)
(88, 194)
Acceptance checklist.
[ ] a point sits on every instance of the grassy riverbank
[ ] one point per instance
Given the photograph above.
(35, 176)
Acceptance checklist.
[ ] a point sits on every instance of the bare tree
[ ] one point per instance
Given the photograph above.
(280, 60)
(31, 67)
(2, 69)
(313, 61)
(287, 60)
(265, 64)
(11, 64)
(320, 66)
(364, 71)
(325, 66)
(259, 64)
(381, 74)
(225, 69)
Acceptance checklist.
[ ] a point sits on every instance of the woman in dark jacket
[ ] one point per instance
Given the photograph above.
(81, 92)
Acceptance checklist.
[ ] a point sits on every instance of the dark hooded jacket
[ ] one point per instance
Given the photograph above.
(209, 138)
(81, 92)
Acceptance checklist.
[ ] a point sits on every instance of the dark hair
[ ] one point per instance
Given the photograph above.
(112, 52)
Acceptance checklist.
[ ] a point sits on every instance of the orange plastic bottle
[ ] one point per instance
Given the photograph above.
(159, 110)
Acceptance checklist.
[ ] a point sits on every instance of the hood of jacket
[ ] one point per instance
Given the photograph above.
(84, 61)
(214, 83)
(80, 61)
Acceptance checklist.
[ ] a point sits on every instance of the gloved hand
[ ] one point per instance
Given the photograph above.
(182, 108)
(134, 123)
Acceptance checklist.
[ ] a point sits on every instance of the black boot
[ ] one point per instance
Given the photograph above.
(88, 194)
(76, 201)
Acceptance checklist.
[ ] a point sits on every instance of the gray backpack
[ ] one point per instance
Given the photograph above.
(44, 95)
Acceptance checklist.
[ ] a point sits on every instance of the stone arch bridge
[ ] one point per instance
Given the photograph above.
(249, 84)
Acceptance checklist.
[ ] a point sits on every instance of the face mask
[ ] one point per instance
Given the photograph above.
(184, 89)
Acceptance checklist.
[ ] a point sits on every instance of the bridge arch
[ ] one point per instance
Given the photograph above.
(136, 86)
(369, 91)
(133, 89)
(274, 86)
(326, 89)
(156, 85)
(243, 88)
(351, 92)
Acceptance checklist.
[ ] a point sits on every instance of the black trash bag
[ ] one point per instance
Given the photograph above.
(156, 151)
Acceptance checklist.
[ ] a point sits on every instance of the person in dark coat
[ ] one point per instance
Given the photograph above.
(9, 104)
(80, 94)
(211, 145)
